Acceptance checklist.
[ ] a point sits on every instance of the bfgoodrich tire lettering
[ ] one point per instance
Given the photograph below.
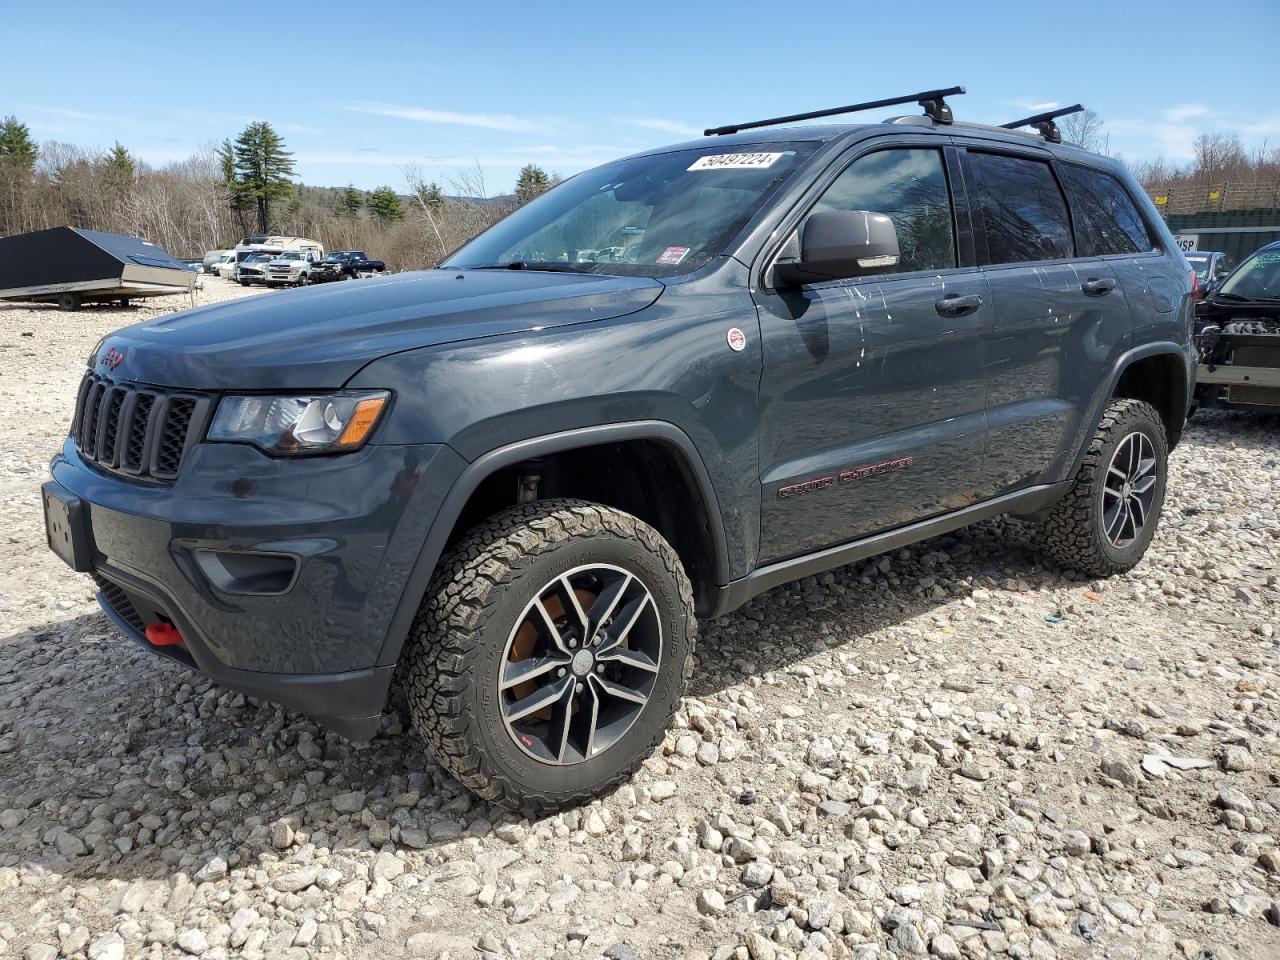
(1076, 530)
(460, 640)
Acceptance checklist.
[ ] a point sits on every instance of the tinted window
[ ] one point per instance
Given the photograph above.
(910, 187)
(1022, 208)
(1107, 221)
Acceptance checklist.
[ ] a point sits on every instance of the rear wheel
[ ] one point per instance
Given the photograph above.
(1107, 521)
(550, 653)
(69, 301)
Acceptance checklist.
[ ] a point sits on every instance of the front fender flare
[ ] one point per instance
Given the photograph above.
(483, 466)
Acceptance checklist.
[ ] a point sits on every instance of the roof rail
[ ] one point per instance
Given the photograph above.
(1043, 122)
(935, 107)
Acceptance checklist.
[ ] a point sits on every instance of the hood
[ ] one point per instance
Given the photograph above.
(318, 337)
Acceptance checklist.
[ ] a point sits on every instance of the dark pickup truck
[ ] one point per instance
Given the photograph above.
(345, 265)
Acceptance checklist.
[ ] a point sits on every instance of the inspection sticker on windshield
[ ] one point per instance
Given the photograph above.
(672, 255)
(735, 161)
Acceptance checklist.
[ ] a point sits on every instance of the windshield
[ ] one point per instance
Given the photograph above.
(1258, 278)
(654, 216)
(290, 255)
(1200, 265)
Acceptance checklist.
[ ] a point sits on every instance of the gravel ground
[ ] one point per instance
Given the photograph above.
(951, 750)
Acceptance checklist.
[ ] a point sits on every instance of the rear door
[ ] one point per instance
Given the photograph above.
(1057, 316)
(872, 391)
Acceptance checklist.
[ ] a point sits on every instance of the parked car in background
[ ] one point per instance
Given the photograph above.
(291, 268)
(252, 269)
(1238, 336)
(345, 264)
(226, 266)
(1211, 267)
(213, 258)
(215, 267)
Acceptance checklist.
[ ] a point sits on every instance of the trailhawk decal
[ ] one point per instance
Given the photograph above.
(846, 476)
(735, 161)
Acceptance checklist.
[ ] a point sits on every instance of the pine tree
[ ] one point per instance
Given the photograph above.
(532, 182)
(17, 161)
(120, 164)
(16, 145)
(349, 202)
(384, 204)
(262, 168)
(431, 196)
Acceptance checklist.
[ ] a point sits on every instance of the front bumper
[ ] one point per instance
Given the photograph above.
(350, 526)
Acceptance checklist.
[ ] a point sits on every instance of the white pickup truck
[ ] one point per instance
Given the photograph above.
(291, 268)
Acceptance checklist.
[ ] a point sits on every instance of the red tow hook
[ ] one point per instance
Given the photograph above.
(163, 635)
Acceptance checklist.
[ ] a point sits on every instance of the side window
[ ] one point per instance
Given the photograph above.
(1107, 220)
(910, 187)
(1021, 207)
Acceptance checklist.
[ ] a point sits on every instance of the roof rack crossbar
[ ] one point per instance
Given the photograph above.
(935, 107)
(1043, 122)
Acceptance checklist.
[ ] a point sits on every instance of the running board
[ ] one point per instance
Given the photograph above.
(1025, 501)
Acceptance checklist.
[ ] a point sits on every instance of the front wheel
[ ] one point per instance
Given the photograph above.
(1106, 522)
(550, 652)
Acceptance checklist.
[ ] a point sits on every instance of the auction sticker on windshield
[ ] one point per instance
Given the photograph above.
(735, 161)
(672, 255)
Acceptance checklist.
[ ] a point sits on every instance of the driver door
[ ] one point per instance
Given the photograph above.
(873, 389)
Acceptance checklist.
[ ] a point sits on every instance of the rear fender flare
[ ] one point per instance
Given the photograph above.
(1182, 389)
(485, 465)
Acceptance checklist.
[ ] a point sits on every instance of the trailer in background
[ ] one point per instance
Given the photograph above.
(70, 266)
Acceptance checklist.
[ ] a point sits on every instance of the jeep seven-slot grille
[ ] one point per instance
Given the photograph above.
(136, 430)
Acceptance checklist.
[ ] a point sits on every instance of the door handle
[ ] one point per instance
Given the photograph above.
(954, 305)
(1096, 288)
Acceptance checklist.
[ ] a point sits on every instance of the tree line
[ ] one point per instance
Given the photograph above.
(248, 185)
(238, 188)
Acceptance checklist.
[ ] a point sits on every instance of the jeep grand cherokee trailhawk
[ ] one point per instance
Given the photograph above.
(663, 387)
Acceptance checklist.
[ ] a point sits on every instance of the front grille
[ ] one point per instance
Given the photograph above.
(135, 430)
(119, 601)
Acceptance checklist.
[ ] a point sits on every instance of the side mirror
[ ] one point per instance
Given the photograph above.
(837, 244)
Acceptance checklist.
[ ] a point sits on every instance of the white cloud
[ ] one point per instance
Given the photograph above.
(487, 121)
(1185, 112)
(1031, 106)
(666, 126)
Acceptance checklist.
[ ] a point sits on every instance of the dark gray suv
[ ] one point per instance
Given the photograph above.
(512, 483)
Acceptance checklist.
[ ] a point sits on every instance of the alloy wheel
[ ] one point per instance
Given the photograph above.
(1129, 489)
(580, 664)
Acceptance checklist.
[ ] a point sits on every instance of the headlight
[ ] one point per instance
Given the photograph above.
(294, 425)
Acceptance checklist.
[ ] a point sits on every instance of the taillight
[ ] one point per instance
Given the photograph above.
(1195, 285)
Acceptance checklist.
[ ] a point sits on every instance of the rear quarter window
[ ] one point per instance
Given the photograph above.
(1021, 208)
(1107, 220)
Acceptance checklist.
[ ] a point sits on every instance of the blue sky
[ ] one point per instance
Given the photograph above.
(359, 95)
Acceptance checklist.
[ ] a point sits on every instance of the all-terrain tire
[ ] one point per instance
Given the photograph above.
(457, 643)
(1073, 533)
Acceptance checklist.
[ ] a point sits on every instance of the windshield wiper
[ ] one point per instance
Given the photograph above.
(1235, 297)
(548, 267)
